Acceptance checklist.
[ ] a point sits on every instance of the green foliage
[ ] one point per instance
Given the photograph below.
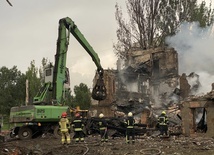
(203, 14)
(13, 85)
(5, 123)
(82, 96)
(33, 81)
(12, 88)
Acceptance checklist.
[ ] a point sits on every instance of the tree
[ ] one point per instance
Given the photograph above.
(34, 81)
(151, 21)
(203, 14)
(12, 88)
(82, 96)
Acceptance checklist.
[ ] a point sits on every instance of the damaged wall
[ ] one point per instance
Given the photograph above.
(192, 116)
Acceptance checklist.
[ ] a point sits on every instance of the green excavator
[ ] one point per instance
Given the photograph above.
(44, 113)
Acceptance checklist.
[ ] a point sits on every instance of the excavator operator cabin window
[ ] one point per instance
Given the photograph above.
(48, 72)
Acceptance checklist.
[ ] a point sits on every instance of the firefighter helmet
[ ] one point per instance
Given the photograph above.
(163, 112)
(130, 114)
(77, 114)
(101, 115)
(64, 114)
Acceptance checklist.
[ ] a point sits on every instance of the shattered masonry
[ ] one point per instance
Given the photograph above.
(145, 83)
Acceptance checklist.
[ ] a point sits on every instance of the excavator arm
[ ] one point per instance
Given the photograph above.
(69, 24)
(60, 79)
(99, 90)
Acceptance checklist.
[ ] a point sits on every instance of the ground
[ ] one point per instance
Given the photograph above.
(144, 145)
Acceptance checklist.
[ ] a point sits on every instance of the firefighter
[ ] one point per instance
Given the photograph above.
(78, 125)
(130, 131)
(103, 128)
(163, 123)
(64, 125)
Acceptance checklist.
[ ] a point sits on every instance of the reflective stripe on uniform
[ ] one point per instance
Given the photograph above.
(162, 120)
(77, 129)
(64, 130)
(103, 128)
(77, 120)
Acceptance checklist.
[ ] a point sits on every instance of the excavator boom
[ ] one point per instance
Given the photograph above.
(99, 90)
(70, 25)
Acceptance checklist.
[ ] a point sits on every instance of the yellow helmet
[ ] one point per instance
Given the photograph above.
(163, 112)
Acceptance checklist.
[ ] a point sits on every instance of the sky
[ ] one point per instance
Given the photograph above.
(29, 31)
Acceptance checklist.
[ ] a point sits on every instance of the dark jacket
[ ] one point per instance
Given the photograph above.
(163, 120)
(130, 122)
(102, 124)
(77, 124)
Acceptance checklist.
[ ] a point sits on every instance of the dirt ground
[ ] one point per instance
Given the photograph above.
(144, 145)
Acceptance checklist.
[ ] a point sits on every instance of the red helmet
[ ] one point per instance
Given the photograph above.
(77, 114)
(64, 114)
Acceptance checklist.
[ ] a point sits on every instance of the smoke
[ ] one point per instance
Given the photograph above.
(206, 80)
(132, 86)
(195, 52)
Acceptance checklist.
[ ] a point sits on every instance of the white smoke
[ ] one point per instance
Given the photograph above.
(195, 47)
(206, 80)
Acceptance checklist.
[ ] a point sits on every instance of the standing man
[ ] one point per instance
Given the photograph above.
(163, 123)
(130, 128)
(64, 125)
(103, 128)
(78, 125)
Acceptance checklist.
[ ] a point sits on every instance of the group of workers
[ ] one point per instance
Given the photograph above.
(78, 125)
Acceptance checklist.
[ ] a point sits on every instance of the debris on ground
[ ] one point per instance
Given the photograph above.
(145, 145)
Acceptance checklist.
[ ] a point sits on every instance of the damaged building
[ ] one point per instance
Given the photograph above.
(147, 83)
(144, 84)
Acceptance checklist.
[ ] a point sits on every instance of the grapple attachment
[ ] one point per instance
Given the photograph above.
(99, 90)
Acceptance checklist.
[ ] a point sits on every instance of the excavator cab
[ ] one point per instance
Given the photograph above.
(99, 90)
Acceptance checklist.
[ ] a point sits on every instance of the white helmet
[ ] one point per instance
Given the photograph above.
(130, 114)
(101, 115)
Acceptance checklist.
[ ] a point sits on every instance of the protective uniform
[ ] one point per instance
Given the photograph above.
(130, 131)
(64, 127)
(163, 123)
(78, 125)
(103, 128)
